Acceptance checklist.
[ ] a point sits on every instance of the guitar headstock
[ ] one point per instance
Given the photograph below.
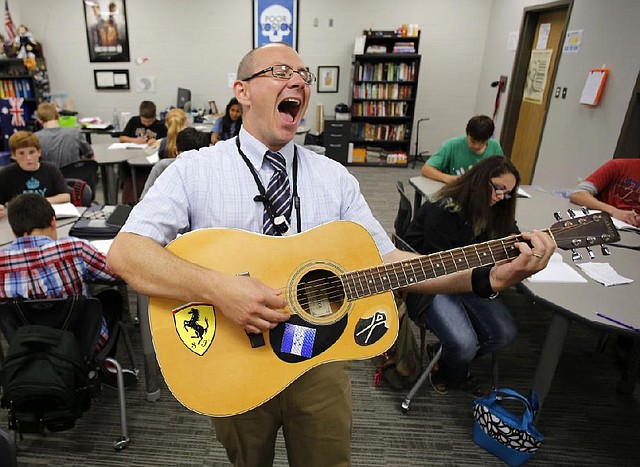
(586, 231)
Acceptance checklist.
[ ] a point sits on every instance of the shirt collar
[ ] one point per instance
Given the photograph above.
(31, 241)
(255, 149)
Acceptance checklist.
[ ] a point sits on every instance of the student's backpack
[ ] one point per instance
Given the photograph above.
(45, 380)
(400, 366)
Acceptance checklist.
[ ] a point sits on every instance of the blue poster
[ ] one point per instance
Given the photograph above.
(275, 21)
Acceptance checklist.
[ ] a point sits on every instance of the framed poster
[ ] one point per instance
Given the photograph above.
(328, 77)
(107, 35)
(275, 21)
(111, 79)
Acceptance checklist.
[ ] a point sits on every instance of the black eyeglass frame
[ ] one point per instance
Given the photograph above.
(288, 70)
(500, 191)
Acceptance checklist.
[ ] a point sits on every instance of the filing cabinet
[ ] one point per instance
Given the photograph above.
(336, 139)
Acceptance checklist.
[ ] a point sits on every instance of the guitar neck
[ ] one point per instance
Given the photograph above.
(392, 276)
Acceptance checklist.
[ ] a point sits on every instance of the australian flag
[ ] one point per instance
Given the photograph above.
(14, 116)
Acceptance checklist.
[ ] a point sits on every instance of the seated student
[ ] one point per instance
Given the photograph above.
(462, 213)
(59, 145)
(28, 174)
(176, 120)
(187, 139)
(457, 155)
(229, 125)
(39, 265)
(144, 128)
(613, 188)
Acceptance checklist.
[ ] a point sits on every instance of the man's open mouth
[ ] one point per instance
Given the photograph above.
(289, 109)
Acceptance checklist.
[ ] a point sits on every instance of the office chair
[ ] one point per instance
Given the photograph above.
(83, 317)
(80, 191)
(86, 170)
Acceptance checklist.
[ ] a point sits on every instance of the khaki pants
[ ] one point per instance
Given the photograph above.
(314, 413)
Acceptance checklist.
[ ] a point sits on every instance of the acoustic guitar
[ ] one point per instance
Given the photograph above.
(337, 290)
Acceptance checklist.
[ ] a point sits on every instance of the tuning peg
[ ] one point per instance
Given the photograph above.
(585, 210)
(557, 215)
(591, 253)
(571, 213)
(605, 250)
(575, 255)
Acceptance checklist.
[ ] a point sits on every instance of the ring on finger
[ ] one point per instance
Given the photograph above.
(537, 255)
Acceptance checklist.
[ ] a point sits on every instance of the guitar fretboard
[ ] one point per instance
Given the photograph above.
(392, 276)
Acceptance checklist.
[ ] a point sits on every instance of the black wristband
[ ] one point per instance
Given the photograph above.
(480, 282)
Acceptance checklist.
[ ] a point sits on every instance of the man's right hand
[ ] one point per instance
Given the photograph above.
(249, 303)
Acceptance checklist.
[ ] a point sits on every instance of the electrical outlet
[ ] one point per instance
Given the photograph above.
(557, 94)
(564, 93)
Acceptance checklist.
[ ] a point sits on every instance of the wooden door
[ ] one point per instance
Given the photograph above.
(537, 90)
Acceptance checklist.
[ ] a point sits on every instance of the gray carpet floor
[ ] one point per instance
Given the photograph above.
(585, 421)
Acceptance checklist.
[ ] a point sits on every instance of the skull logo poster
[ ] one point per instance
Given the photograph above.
(275, 21)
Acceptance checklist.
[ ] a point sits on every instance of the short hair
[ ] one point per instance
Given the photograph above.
(147, 109)
(480, 127)
(23, 139)
(47, 112)
(27, 212)
(190, 138)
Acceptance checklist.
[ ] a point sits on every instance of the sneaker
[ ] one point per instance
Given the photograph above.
(472, 386)
(437, 383)
(109, 377)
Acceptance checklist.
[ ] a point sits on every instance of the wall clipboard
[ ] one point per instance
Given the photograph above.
(594, 86)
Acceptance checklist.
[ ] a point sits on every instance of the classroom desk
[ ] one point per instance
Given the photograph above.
(108, 159)
(571, 301)
(87, 132)
(579, 302)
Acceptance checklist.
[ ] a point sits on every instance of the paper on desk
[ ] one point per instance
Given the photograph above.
(604, 273)
(522, 193)
(102, 245)
(153, 158)
(557, 271)
(65, 210)
(127, 145)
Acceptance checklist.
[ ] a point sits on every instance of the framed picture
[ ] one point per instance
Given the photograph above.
(328, 78)
(107, 35)
(111, 79)
(275, 21)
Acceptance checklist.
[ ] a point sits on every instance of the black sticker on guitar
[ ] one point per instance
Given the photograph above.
(370, 330)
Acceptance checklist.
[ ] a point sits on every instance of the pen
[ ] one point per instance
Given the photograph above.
(613, 320)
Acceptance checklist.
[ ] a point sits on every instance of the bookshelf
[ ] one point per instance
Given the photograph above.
(21, 90)
(383, 96)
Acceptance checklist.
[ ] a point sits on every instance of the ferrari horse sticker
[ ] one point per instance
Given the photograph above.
(196, 325)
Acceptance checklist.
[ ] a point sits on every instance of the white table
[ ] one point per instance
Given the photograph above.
(572, 301)
(108, 159)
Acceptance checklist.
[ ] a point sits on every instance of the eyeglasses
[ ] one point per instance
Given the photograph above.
(500, 191)
(284, 72)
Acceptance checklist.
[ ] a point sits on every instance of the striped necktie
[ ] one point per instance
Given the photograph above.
(278, 194)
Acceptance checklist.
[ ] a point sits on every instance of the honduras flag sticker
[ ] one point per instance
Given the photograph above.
(298, 340)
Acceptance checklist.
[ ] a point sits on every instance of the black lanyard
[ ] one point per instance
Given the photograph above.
(262, 197)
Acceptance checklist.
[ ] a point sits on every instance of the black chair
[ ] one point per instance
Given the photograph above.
(419, 155)
(83, 317)
(80, 191)
(403, 219)
(86, 170)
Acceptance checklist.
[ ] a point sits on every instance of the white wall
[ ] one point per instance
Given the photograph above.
(196, 43)
(577, 138)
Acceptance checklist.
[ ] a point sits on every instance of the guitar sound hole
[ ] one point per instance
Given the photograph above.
(320, 293)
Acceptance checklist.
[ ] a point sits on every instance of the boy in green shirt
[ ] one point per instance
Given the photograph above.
(457, 155)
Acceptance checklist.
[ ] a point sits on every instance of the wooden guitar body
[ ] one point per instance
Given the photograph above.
(209, 363)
